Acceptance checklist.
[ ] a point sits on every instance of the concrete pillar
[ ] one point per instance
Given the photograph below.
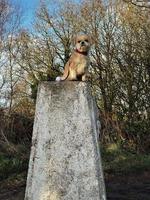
(65, 161)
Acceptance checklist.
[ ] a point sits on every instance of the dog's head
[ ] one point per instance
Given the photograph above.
(82, 43)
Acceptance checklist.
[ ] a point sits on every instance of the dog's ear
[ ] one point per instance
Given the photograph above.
(74, 40)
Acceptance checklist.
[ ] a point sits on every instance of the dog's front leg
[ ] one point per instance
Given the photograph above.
(72, 75)
(86, 77)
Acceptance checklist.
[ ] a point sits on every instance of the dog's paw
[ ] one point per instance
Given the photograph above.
(58, 78)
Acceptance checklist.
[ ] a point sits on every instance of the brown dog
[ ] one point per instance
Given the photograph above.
(77, 66)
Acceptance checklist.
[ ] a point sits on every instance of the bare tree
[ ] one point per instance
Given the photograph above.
(139, 3)
(9, 23)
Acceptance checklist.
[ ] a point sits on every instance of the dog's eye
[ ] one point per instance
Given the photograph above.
(79, 41)
(86, 41)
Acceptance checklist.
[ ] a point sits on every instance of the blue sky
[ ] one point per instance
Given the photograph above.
(29, 7)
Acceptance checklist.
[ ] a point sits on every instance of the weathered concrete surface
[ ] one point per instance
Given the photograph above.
(65, 162)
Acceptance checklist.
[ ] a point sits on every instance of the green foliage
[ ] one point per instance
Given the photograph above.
(11, 165)
(117, 160)
(15, 140)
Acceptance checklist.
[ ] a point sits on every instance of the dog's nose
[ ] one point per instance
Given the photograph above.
(82, 43)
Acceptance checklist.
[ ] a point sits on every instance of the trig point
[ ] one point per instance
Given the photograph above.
(65, 161)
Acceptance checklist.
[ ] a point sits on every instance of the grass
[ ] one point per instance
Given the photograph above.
(13, 181)
(13, 172)
(11, 166)
(119, 161)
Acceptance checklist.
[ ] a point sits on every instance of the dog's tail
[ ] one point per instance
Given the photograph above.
(65, 75)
